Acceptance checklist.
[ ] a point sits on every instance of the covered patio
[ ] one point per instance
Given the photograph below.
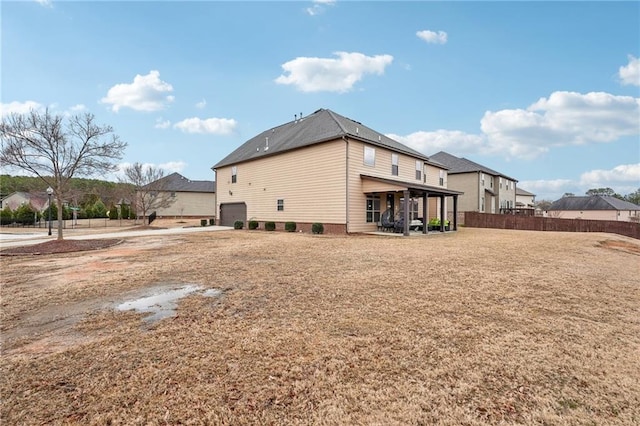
(409, 190)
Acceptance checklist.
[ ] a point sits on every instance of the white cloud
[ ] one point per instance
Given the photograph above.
(201, 104)
(78, 108)
(565, 118)
(442, 140)
(162, 124)
(19, 107)
(623, 179)
(550, 190)
(432, 37)
(630, 73)
(624, 174)
(219, 126)
(146, 93)
(319, 7)
(332, 74)
(45, 3)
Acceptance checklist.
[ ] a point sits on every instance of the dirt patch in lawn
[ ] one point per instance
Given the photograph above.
(60, 246)
(473, 327)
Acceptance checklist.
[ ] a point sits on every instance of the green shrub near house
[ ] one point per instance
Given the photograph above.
(290, 226)
(238, 224)
(253, 224)
(317, 228)
(270, 226)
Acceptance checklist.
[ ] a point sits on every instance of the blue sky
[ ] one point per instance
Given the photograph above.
(547, 93)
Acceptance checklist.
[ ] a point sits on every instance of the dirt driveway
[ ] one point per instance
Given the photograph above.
(473, 327)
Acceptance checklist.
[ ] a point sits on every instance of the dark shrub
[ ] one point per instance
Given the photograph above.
(212, 221)
(270, 226)
(203, 222)
(6, 216)
(238, 224)
(253, 224)
(317, 228)
(290, 226)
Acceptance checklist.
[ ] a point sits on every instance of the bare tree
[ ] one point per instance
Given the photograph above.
(150, 186)
(57, 148)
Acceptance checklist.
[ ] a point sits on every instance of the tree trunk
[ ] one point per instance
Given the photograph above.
(59, 203)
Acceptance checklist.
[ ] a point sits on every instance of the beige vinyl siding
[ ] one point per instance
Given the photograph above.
(433, 176)
(622, 215)
(469, 183)
(311, 181)
(382, 168)
(190, 204)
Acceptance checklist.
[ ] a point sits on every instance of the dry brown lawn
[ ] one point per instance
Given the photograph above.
(469, 328)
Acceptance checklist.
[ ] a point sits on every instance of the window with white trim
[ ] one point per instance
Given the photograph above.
(369, 156)
(234, 174)
(394, 164)
(373, 209)
(441, 180)
(418, 170)
(280, 205)
(482, 178)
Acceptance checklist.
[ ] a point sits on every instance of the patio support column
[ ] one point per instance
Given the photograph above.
(406, 195)
(425, 212)
(442, 213)
(455, 213)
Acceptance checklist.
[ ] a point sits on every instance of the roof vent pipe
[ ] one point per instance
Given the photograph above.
(295, 117)
(266, 143)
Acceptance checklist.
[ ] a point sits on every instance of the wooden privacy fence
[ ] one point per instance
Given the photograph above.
(536, 223)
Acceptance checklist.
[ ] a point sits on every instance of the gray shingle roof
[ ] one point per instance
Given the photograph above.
(520, 191)
(593, 202)
(322, 126)
(462, 165)
(178, 183)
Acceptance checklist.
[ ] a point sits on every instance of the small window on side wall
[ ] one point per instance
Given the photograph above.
(418, 170)
(394, 164)
(234, 174)
(441, 180)
(369, 156)
(280, 205)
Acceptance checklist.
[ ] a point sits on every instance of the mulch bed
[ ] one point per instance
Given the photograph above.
(60, 246)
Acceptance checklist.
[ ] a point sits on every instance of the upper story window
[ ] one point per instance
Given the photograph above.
(482, 178)
(369, 156)
(280, 205)
(441, 179)
(418, 170)
(500, 181)
(234, 174)
(394, 164)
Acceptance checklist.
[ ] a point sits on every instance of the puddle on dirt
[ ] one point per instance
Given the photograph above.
(163, 304)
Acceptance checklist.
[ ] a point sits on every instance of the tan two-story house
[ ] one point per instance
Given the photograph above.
(329, 169)
(485, 190)
(175, 196)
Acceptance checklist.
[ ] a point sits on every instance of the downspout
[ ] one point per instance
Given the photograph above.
(346, 216)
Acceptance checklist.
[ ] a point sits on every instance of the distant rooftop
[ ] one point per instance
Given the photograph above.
(593, 202)
(462, 165)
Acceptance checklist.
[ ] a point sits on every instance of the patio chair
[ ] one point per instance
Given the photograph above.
(386, 220)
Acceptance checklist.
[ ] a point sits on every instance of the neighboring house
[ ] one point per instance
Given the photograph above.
(594, 207)
(525, 201)
(39, 201)
(329, 169)
(485, 190)
(183, 198)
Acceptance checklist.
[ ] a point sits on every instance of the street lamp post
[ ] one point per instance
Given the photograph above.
(49, 192)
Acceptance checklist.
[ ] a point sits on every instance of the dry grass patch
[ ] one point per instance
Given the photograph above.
(474, 327)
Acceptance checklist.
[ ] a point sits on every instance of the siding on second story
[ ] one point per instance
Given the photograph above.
(485, 190)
